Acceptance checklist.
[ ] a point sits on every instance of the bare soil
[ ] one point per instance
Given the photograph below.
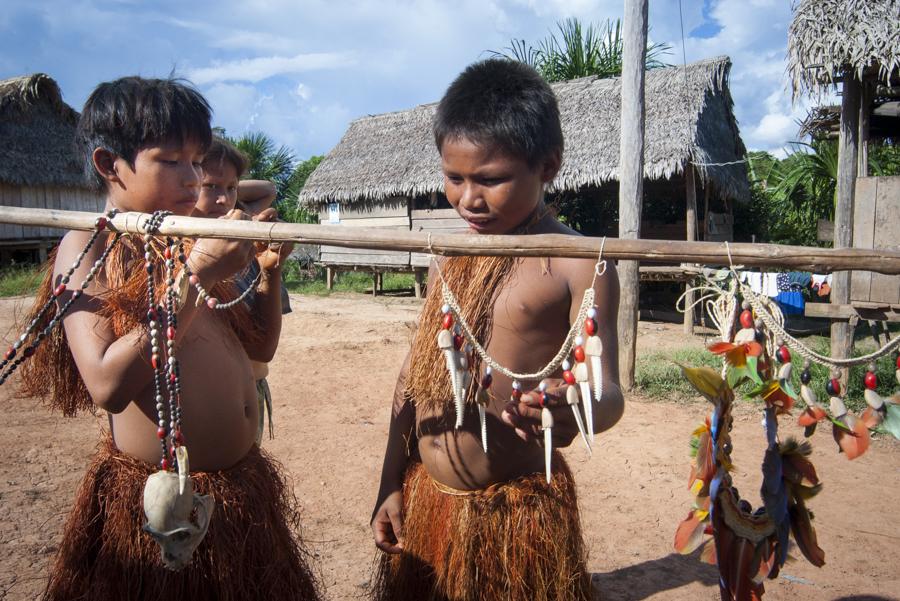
(332, 382)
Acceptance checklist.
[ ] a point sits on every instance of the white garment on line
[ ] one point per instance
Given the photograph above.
(770, 284)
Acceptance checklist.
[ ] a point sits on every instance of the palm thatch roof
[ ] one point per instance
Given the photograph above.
(688, 118)
(37, 134)
(830, 38)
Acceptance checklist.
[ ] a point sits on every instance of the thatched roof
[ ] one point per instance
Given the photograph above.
(829, 38)
(37, 133)
(688, 117)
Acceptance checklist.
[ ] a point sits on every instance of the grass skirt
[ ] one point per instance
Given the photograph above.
(514, 540)
(251, 550)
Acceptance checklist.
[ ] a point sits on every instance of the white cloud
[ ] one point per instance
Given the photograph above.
(257, 69)
(302, 92)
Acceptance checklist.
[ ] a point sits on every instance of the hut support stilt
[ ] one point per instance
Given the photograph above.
(691, 219)
(631, 178)
(848, 157)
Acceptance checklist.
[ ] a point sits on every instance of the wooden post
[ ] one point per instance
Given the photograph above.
(848, 161)
(374, 283)
(691, 219)
(631, 177)
(329, 278)
(418, 282)
(865, 102)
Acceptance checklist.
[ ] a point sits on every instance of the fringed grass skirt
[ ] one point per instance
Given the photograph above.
(518, 540)
(251, 551)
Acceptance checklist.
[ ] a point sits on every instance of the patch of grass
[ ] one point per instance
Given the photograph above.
(302, 281)
(658, 376)
(19, 280)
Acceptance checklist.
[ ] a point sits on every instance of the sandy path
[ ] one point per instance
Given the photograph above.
(332, 382)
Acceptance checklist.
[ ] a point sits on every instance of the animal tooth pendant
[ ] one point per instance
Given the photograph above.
(582, 376)
(482, 400)
(447, 344)
(465, 380)
(573, 400)
(547, 427)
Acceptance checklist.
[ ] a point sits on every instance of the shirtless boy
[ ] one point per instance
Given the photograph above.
(144, 140)
(221, 190)
(456, 522)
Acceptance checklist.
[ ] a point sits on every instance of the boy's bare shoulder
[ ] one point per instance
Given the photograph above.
(578, 272)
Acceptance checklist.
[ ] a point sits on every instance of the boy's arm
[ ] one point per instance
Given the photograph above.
(115, 370)
(256, 195)
(387, 518)
(267, 298)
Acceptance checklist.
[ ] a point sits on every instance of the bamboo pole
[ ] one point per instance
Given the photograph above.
(631, 178)
(805, 258)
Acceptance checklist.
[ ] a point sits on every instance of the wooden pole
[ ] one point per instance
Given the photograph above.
(691, 220)
(631, 178)
(803, 258)
(848, 161)
(865, 101)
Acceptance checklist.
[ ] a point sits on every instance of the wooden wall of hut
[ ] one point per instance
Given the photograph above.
(392, 213)
(43, 197)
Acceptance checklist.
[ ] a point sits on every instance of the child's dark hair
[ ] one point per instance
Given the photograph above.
(502, 104)
(124, 115)
(222, 151)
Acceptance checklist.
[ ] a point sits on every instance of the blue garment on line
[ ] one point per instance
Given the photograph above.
(791, 302)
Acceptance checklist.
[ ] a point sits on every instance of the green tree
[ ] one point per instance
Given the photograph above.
(267, 161)
(577, 51)
(289, 208)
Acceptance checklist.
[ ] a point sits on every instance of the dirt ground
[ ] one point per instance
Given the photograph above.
(332, 382)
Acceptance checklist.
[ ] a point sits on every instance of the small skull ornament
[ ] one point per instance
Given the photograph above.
(169, 503)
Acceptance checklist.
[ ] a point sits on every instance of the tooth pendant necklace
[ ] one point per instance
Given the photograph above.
(460, 346)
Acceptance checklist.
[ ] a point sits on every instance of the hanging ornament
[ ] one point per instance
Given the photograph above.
(547, 427)
(572, 398)
(482, 399)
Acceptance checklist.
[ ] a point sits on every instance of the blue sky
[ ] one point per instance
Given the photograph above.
(301, 70)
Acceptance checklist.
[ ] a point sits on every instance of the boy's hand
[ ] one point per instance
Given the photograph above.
(387, 523)
(271, 256)
(214, 260)
(525, 416)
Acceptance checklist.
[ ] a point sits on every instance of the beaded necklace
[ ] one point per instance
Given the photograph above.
(458, 343)
(10, 360)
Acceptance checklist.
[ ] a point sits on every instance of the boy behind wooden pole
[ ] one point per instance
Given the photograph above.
(456, 522)
(143, 141)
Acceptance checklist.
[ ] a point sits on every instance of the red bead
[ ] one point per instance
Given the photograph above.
(746, 319)
(10, 353)
(898, 361)
(194, 280)
(458, 341)
(167, 253)
(154, 361)
(545, 399)
(211, 302)
(579, 354)
(871, 380)
(59, 290)
(447, 321)
(170, 333)
(568, 377)
(101, 223)
(590, 326)
(172, 377)
(179, 437)
(164, 464)
(783, 354)
(836, 385)
(161, 433)
(516, 394)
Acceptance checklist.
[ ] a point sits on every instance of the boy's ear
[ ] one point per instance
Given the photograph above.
(551, 166)
(105, 164)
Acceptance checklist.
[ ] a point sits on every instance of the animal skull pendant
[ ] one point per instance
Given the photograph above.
(169, 506)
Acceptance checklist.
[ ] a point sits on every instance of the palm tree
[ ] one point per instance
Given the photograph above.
(577, 51)
(266, 161)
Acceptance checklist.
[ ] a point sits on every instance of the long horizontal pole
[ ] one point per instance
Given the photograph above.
(823, 260)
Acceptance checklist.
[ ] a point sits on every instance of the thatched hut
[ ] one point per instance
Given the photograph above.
(38, 163)
(854, 43)
(386, 170)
